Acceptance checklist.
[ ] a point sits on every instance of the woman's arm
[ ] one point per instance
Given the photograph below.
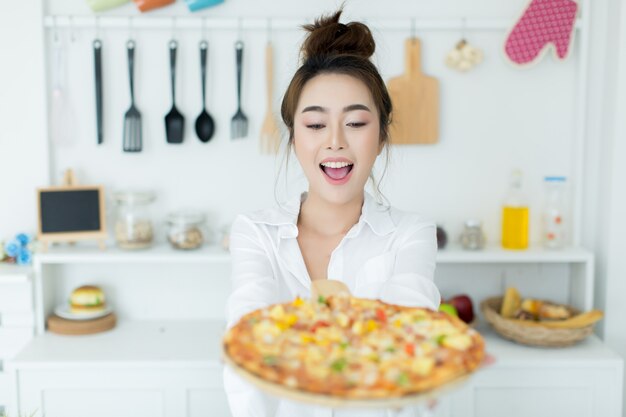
(253, 286)
(411, 283)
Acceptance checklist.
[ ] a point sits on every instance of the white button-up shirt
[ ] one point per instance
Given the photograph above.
(389, 255)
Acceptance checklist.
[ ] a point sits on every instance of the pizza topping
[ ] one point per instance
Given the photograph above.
(319, 324)
(358, 328)
(409, 348)
(439, 339)
(270, 360)
(422, 365)
(381, 315)
(277, 312)
(403, 379)
(457, 341)
(343, 320)
(339, 365)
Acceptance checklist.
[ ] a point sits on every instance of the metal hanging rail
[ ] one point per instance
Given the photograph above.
(233, 23)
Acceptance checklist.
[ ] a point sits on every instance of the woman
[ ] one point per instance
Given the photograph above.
(337, 110)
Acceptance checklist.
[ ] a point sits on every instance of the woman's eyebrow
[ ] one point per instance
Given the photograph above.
(315, 108)
(346, 109)
(353, 107)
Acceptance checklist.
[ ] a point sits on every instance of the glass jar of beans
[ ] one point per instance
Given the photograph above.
(133, 224)
(186, 229)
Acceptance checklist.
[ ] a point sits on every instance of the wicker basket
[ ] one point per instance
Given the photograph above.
(531, 335)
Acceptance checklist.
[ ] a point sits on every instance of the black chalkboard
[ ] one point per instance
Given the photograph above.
(70, 211)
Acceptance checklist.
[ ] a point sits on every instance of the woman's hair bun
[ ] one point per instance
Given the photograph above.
(329, 37)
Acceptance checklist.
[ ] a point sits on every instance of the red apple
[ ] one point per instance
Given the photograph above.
(464, 307)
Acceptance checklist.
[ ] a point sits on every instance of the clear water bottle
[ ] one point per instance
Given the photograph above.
(554, 223)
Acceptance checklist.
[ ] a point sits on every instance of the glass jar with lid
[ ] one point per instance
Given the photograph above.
(472, 237)
(133, 225)
(186, 229)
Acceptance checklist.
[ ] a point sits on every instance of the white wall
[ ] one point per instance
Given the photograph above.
(479, 145)
(614, 269)
(23, 146)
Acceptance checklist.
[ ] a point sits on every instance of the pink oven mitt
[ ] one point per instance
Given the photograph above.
(544, 22)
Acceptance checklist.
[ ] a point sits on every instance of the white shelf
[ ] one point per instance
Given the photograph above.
(196, 344)
(155, 254)
(496, 254)
(215, 254)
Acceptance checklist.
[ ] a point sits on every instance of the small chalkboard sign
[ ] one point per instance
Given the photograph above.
(70, 213)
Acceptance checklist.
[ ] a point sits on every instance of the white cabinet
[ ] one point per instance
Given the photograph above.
(165, 367)
(17, 319)
(150, 368)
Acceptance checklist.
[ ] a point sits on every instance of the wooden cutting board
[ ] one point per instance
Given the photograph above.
(60, 325)
(415, 99)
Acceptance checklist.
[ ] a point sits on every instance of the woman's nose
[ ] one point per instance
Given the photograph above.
(337, 139)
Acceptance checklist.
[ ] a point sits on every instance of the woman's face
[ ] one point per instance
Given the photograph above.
(336, 136)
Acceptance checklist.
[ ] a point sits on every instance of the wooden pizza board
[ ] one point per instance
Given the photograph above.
(415, 99)
(326, 288)
(60, 325)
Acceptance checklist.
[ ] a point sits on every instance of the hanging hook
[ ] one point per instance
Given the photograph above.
(463, 28)
(239, 27)
(72, 34)
(174, 27)
(203, 28)
(55, 29)
(97, 27)
(413, 30)
(130, 28)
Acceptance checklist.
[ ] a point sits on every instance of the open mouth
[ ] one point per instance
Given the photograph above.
(336, 171)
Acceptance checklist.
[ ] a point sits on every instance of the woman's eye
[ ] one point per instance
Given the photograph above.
(356, 124)
(315, 126)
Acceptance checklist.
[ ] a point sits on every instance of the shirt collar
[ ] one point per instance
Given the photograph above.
(375, 215)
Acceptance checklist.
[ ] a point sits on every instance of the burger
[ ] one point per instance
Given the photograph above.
(87, 299)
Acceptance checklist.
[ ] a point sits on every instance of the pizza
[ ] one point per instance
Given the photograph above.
(353, 348)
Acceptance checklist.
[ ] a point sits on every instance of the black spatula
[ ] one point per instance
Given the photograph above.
(174, 120)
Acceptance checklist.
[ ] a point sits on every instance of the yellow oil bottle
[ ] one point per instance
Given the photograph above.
(515, 215)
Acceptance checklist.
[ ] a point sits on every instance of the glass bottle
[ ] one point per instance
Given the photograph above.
(515, 214)
(133, 226)
(554, 224)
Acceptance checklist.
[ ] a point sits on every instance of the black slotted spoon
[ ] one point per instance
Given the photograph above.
(174, 120)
